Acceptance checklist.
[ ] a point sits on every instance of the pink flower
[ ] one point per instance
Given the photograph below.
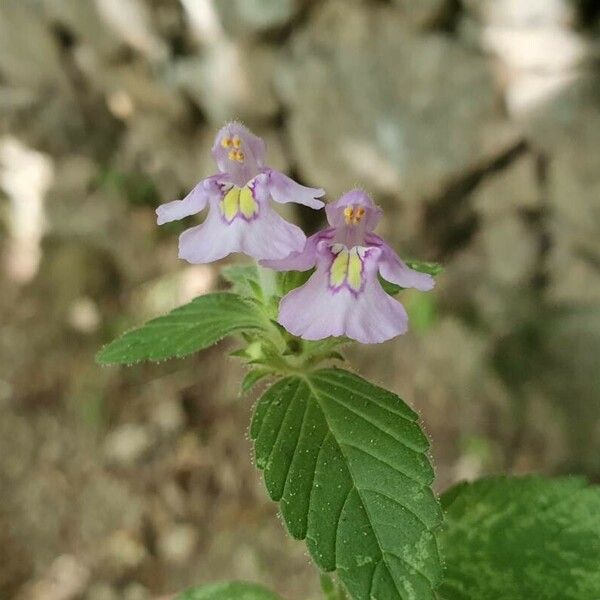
(344, 297)
(240, 218)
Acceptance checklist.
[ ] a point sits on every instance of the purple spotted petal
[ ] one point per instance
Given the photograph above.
(283, 190)
(193, 203)
(303, 260)
(393, 269)
(314, 311)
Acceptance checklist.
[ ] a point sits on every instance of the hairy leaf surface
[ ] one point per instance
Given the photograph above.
(517, 538)
(347, 461)
(187, 329)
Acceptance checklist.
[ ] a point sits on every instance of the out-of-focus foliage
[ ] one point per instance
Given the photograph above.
(507, 538)
(228, 591)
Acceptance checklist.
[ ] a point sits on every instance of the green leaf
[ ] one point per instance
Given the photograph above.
(290, 280)
(521, 538)
(348, 463)
(244, 279)
(430, 268)
(253, 377)
(187, 329)
(229, 590)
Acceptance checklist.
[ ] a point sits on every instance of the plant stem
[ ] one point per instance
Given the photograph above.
(268, 282)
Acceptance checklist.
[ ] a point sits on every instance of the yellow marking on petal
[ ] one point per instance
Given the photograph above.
(230, 205)
(248, 205)
(227, 142)
(355, 267)
(236, 141)
(347, 267)
(339, 268)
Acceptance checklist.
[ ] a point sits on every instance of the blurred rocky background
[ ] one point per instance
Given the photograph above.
(476, 123)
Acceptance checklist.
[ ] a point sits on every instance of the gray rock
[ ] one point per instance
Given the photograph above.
(101, 591)
(131, 89)
(127, 444)
(513, 188)
(242, 17)
(536, 13)
(168, 415)
(574, 274)
(177, 543)
(510, 251)
(81, 17)
(29, 53)
(231, 81)
(123, 551)
(567, 130)
(132, 22)
(135, 591)
(363, 110)
(422, 12)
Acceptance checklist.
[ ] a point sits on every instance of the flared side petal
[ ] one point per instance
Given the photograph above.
(193, 203)
(303, 260)
(314, 311)
(283, 190)
(212, 240)
(393, 269)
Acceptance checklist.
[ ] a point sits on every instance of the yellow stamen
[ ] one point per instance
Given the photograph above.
(348, 214)
(236, 155)
(354, 215)
(227, 142)
(236, 141)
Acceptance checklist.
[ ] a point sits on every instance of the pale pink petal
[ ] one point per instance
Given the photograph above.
(335, 210)
(270, 237)
(193, 203)
(283, 190)
(376, 316)
(212, 240)
(314, 311)
(393, 269)
(253, 148)
(303, 260)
